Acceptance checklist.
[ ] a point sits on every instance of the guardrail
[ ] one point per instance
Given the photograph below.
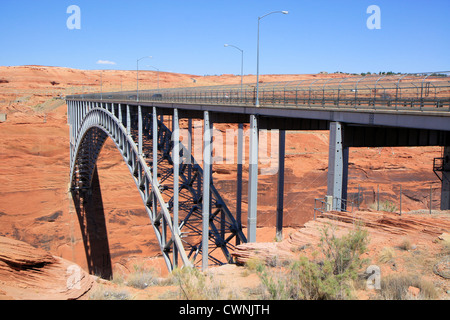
(427, 91)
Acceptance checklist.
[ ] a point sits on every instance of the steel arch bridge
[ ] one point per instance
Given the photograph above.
(167, 177)
(188, 215)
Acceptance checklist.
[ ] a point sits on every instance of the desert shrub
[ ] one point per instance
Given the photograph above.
(142, 277)
(344, 252)
(445, 248)
(279, 287)
(255, 264)
(321, 279)
(101, 293)
(395, 287)
(386, 255)
(405, 244)
(387, 206)
(194, 285)
(118, 278)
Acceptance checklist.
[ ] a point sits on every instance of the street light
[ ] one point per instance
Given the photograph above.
(257, 59)
(242, 64)
(137, 69)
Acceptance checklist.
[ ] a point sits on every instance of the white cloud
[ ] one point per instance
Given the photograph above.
(106, 62)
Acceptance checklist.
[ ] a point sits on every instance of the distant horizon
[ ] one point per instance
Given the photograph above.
(233, 74)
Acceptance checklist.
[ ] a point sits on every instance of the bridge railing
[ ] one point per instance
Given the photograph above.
(428, 91)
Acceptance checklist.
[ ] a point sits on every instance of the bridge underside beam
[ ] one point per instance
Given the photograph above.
(358, 136)
(273, 123)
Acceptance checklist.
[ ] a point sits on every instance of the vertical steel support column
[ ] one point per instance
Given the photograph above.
(68, 112)
(155, 145)
(120, 112)
(79, 115)
(445, 190)
(280, 193)
(207, 169)
(73, 124)
(240, 162)
(337, 167)
(128, 120)
(81, 111)
(75, 119)
(253, 179)
(140, 124)
(69, 118)
(69, 121)
(85, 109)
(155, 157)
(189, 160)
(176, 180)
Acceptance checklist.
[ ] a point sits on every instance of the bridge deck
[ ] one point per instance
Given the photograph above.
(407, 93)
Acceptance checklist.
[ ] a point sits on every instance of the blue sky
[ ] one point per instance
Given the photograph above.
(189, 36)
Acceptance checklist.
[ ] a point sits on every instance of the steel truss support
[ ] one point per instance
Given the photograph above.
(253, 179)
(207, 175)
(98, 124)
(240, 155)
(337, 167)
(176, 178)
(175, 207)
(280, 189)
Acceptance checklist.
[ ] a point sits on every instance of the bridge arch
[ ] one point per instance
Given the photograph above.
(153, 170)
(97, 125)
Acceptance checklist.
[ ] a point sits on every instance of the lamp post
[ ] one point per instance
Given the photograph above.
(137, 69)
(242, 64)
(257, 58)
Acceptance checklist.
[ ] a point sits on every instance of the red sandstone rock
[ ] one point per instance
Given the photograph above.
(28, 273)
(414, 292)
(384, 229)
(20, 255)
